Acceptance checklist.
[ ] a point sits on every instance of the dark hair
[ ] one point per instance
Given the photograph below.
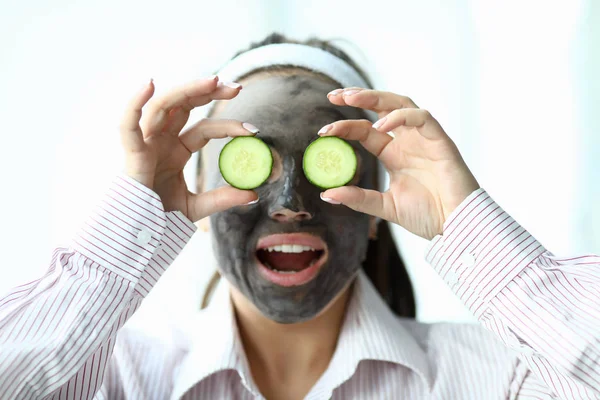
(383, 264)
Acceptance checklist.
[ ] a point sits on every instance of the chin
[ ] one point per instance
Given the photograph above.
(301, 304)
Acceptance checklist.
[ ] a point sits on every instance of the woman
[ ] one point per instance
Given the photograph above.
(309, 324)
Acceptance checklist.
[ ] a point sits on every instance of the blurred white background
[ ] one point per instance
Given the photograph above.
(515, 83)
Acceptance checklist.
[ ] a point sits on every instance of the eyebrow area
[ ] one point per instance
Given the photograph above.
(332, 112)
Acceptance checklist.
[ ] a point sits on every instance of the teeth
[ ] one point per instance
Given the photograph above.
(290, 248)
(281, 272)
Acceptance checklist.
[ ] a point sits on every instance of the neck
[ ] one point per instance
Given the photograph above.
(288, 355)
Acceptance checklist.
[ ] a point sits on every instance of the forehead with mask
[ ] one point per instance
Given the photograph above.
(289, 107)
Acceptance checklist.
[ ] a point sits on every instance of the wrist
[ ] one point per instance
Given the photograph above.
(457, 193)
(145, 179)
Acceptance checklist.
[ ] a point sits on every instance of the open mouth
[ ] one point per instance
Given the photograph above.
(290, 259)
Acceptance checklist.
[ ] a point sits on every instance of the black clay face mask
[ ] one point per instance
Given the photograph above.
(291, 253)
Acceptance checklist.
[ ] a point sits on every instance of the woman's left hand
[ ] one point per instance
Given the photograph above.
(428, 177)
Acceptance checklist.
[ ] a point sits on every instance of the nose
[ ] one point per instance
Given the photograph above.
(287, 215)
(289, 203)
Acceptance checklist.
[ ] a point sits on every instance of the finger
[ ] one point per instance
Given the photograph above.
(366, 201)
(188, 96)
(335, 96)
(361, 130)
(176, 120)
(223, 91)
(417, 118)
(178, 116)
(196, 136)
(374, 100)
(131, 134)
(220, 199)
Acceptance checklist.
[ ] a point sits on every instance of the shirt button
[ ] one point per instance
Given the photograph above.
(467, 259)
(526, 350)
(143, 236)
(452, 278)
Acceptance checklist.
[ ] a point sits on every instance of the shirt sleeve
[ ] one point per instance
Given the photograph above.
(544, 307)
(57, 333)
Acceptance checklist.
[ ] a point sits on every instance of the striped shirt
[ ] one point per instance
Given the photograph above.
(63, 335)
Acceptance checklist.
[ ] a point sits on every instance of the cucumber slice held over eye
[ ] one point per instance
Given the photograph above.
(246, 162)
(329, 162)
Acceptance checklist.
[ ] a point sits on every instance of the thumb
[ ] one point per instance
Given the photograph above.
(216, 200)
(366, 201)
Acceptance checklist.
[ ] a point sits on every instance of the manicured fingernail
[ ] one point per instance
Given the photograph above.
(350, 92)
(335, 92)
(251, 202)
(328, 200)
(233, 85)
(250, 127)
(379, 123)
(325, 129)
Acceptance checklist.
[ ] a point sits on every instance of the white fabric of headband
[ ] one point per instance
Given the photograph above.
(285, 54)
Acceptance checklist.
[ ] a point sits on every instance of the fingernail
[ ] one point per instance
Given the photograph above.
(250, 128)
(379, 123)
(147, 84)
(335, 92)
(213, 78)
(233, 85)
(325, 129)
(350, 92)
(328, 200)
(251, 202)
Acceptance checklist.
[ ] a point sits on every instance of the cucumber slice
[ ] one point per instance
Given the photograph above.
(329, 162)
(246, 162)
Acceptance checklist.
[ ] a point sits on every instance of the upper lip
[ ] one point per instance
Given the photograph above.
(303, 239)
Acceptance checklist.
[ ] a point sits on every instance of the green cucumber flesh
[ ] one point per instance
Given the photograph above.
(329, 162)
(246, 162)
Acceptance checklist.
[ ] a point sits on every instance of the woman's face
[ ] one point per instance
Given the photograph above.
(288, 283)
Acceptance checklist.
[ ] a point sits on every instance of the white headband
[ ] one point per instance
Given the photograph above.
(287, 54)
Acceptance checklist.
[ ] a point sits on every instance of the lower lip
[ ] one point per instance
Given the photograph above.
(296, 279)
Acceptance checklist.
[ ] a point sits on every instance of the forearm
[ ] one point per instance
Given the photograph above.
(542, 306)
(61, 328)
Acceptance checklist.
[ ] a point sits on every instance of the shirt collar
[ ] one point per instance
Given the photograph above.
(370, 332)
(214, 345)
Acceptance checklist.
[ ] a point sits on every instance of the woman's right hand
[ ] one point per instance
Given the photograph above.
(156, 150)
